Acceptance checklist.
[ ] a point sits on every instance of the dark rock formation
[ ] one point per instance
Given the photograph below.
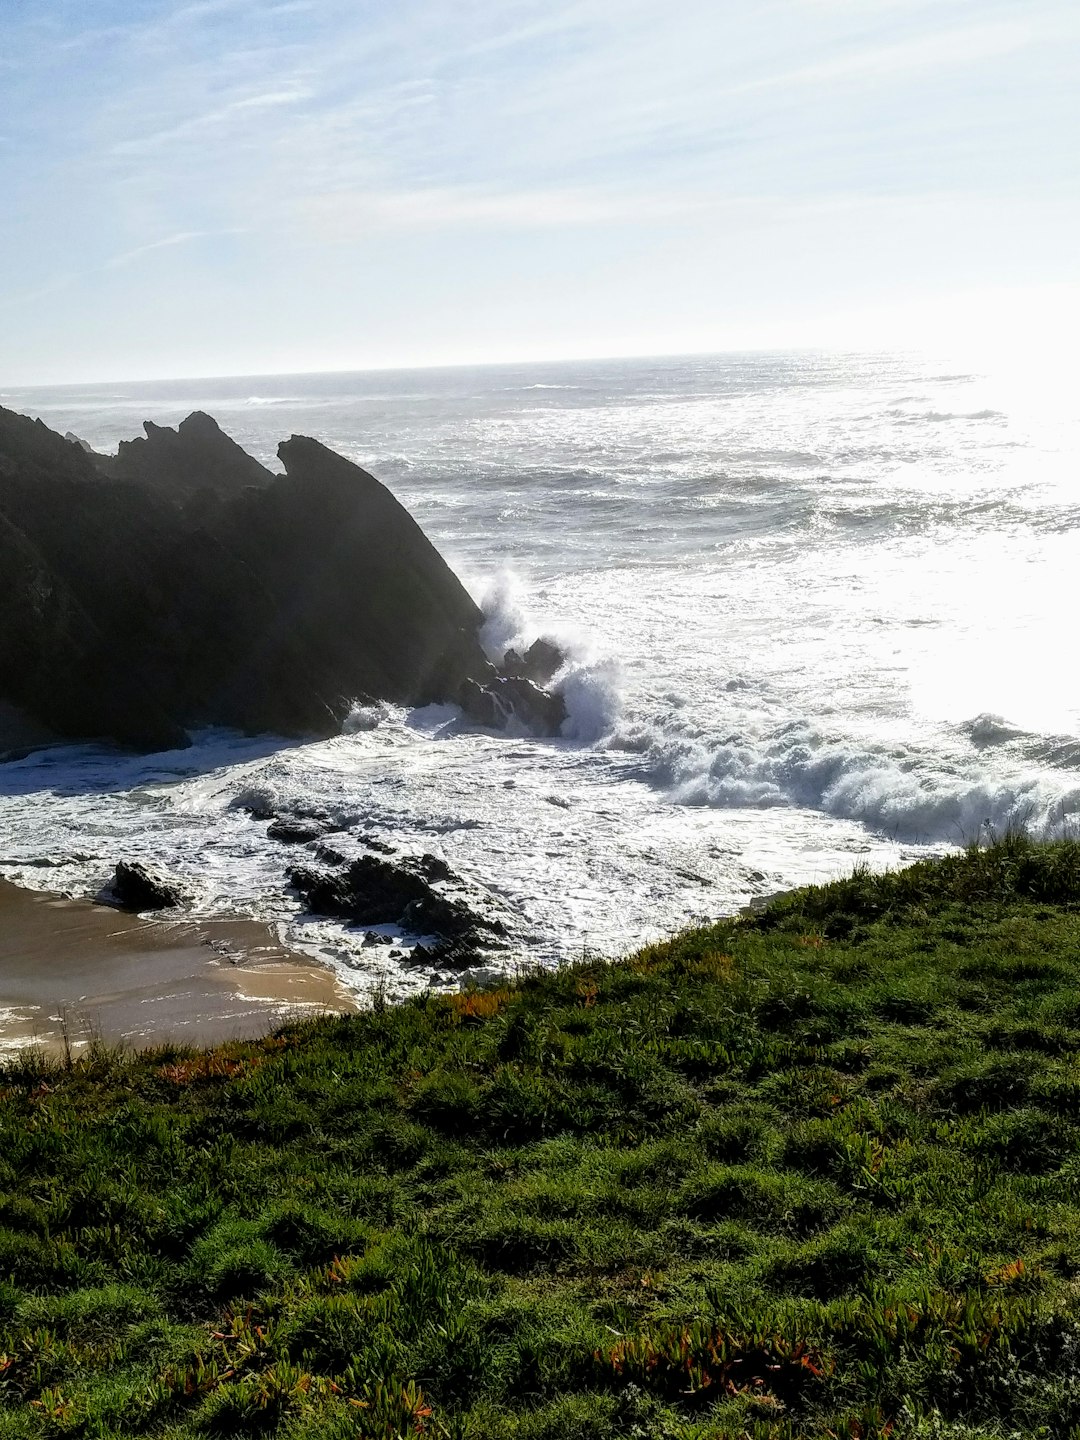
(134, 887)
(188, 586)
(541, 661)
(59, 663)
(509, 697)
(20, 733)
(381, 612)
(402, 893)
(197, 455)
(515, 692)
(297, 829)
(479, 705)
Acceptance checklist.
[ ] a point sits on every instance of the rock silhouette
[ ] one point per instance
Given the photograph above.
(181, 584)
(197, 455)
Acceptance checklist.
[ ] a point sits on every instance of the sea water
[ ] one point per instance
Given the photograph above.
(820, 611)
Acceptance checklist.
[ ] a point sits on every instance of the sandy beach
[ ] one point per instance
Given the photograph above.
(98, 973)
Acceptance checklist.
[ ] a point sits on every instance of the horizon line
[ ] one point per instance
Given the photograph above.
(6, 388)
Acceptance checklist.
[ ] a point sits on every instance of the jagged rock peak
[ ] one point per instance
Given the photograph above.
(29, 447)
(200, 425)
(197, 455)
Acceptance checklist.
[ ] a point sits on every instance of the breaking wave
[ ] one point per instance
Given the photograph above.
(907, 795)
(912, 794)
(590, 682)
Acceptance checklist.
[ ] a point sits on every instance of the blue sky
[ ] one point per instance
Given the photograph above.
(225, 186)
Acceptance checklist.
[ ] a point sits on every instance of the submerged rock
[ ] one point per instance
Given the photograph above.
(297, 830)
(516, 692)
(455, 954)
(479, 705)
(134, 887)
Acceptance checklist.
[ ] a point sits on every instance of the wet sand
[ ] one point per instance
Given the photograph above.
(98, 973)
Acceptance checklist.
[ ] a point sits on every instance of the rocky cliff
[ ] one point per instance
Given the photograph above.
(182, 584)
(197, 455)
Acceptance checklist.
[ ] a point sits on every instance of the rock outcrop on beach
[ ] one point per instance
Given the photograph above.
(181, 584)
(136, 888)
(419, 895)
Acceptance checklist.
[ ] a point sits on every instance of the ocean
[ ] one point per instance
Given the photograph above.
(820, 611)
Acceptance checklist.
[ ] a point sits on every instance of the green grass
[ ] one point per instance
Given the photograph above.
(813, 1173)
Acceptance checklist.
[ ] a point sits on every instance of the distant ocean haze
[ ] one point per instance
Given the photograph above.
(817, 608)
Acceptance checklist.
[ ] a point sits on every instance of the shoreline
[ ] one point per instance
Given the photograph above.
(74, 969)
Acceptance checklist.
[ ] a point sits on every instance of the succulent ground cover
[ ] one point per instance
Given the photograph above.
(813, 1172)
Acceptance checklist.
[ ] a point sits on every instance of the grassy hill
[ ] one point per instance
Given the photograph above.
(810, 1173)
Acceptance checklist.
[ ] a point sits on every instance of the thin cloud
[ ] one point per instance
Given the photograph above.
(67, 278)
(210, 120)
(344, 216)
(952, 48)
(40, 292)
(200, 9)
(182, 237)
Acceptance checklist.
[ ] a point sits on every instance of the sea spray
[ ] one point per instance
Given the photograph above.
(501, 598)
(589, 681)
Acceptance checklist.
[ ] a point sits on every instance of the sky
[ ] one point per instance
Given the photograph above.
(249, 187)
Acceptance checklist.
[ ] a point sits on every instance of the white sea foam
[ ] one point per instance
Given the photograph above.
(366, 717)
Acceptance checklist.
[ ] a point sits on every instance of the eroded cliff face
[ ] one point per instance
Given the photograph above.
(182, 584)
